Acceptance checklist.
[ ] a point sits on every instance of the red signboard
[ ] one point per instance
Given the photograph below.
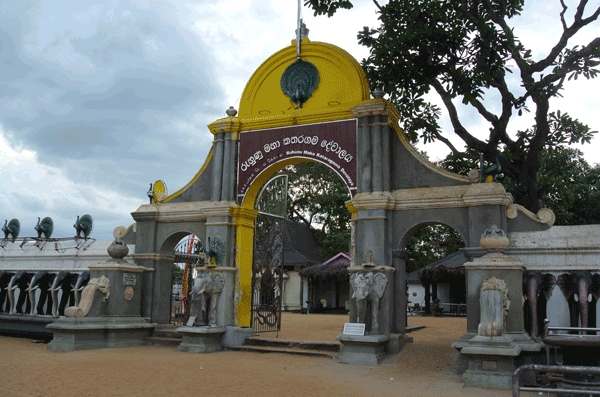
(331, 143)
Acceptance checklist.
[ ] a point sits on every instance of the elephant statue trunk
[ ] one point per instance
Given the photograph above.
(582, 298)
(533, 285)
(101, 284)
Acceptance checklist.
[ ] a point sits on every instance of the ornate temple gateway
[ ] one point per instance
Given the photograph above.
(311, 102)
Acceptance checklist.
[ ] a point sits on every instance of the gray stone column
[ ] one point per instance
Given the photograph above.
(226, 188)
(366, 158)
(386, 147)
(377, 151)
(399, 313)
(217, 176)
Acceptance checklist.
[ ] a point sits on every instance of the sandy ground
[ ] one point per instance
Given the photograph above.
(421, 369)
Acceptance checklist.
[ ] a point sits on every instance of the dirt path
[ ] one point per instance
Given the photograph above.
(421, 369)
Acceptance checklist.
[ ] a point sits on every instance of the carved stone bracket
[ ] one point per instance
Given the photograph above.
(544, 215)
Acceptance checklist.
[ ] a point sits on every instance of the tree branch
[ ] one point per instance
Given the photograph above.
(569, 62)
(568, 32)
(459, 129)
(562, 15)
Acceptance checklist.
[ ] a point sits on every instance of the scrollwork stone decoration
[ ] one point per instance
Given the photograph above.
(299, 81)
(494, 305)
(368, 288)
(87, 299)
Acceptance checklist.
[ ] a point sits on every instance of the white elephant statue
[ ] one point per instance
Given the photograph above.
(368, 287)
(205, 297)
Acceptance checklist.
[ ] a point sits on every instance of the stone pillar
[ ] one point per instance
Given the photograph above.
(491, 349)
(365, 157)
(374, 160)
(377, 155)
(387, 158)
(228, 169)
(217, 176)
(399, 313)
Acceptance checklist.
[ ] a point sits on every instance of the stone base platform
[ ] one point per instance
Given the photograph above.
(85, 333)
(491, 361)
(201, 339)
(363, 350)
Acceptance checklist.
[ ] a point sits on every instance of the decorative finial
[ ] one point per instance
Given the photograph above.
(118, 249)
(150, 193)
(301, 31)
(231, 112)
(494, 240)
(377, 93)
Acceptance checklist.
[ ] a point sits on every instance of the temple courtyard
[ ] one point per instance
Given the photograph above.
(424, 368)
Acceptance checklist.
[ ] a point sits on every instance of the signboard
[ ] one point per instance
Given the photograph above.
(332, 143)
(190, 322)
(354, 329)
(128, 278)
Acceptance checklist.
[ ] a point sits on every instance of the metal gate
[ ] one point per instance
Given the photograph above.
(267, 264)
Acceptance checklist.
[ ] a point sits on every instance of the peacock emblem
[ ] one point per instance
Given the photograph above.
(11, 228)
(45, 227)
(489, 174)
(84, 226)
(215, 251)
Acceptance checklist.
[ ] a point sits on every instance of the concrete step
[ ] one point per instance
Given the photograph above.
(333, 346)
(162, 341)
(287, 350)
(167, 333)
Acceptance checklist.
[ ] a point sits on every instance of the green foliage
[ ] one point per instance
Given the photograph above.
(431, 243)
(570, 185)
(318, 198)
(177, 274)
(464, 51)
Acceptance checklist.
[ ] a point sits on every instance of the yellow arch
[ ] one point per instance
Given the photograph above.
(342, 85)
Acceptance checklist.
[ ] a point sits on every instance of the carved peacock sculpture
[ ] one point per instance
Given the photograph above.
(11, 228)
(84, 226)
(215, 251)
(45, 227)
(150, 193)
(492, 170)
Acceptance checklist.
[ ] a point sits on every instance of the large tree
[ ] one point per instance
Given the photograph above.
(467, 50)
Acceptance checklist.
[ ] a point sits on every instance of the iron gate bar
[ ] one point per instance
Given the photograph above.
(516, 389)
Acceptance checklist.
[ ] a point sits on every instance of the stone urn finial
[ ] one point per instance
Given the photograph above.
(494, 240)
(377, 93)
(118, 249)
(231, 112)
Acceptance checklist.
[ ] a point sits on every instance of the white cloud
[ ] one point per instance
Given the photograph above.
(85, 16)
(28, 184)
(126, 13)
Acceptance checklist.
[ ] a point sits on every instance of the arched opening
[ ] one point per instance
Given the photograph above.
(312, 216)
(186, 250)
(435, 272)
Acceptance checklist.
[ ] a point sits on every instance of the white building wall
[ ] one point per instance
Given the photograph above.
(291, 291)
(29, 257)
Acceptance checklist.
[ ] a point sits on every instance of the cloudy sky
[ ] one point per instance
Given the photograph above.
(98, 99)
